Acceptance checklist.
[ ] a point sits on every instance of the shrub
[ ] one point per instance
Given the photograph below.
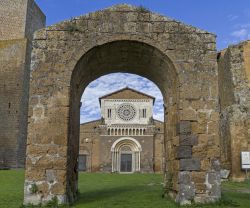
(33, 188)
(142, 9)
(71, 26)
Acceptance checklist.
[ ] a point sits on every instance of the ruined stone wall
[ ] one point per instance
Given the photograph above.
(19, 19)
(180, 59)
(12, 73)
(35, 19)
(12, 19)
(15, 51)
(234, 82)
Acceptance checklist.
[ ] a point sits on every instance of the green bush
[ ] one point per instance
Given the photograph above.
(34, 188)
(142, 9)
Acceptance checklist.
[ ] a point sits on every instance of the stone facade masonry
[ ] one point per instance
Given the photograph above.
(234, 88)
(97, 147)
(12, 19)
(18, 21)
(14, 78)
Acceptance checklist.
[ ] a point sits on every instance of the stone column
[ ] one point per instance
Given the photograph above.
(198, 177)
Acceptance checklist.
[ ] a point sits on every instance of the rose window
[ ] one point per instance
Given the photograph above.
(126, 112)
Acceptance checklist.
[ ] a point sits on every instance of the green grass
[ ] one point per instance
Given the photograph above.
(117, 191)
(11, 188)
(237, 185)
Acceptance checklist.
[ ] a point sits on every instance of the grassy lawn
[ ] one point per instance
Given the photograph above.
(237, 185)
(116, 191)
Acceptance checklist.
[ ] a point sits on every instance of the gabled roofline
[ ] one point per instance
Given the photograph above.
(158, 120)
(129, 8)
(126, 88)
(91, 121)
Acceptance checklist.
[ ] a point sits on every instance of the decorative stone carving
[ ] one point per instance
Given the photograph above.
(126, 112)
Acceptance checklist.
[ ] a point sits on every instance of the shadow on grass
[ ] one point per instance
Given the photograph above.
(103, 194)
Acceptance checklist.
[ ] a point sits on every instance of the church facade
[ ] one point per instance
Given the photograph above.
(126, 138)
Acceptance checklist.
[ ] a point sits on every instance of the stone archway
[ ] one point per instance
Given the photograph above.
(126, 145)
(179, 59)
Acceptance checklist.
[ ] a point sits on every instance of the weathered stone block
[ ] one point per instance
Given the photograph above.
(215, 191)
(198, 128)
(50, 176)
(215, 164)
(186, 194)
(188, 140)
(176, 141)
(188, 115)
(130, 27)
(199, 151)
(213, 184)
(198, 104)
(202, 117)
(183, 152)
(203, 139)
(158, 27)
(198, 177)
(213, 152)
(213, 177)
(43, 188)
(200, 188)
(176, 165)
(183, 127)
(184, 177)
(190, 164)
(60, 163)
(224, 174)
(205, 164)
(35, 174)
(212, 127)
(58, 188)
(194, 93)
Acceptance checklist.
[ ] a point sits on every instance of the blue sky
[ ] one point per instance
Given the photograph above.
(228, 19)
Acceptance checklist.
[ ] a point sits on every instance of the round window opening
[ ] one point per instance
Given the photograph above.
(126, 112)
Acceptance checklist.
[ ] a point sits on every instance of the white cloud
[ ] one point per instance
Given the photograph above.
(232, 17)
(241, 28)
(241, 34)
(90, 109)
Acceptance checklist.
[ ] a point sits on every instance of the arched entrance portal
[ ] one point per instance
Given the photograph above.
(179, 59)
(126, 155)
